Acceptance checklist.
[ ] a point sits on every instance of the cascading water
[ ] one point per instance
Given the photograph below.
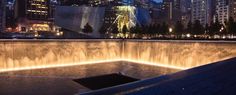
(22, 55)
(180, 54)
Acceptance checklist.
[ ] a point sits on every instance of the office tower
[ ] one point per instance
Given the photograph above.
(33, 15)
(37, 9)
(171, 10)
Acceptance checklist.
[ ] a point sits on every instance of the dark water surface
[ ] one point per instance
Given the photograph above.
(59, 81)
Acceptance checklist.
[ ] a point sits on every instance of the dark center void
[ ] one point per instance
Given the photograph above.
(104, 81)
(218, 78)
(59, 81)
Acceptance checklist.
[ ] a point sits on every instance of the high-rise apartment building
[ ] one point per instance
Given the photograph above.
(202, 11)
(232, 8)
(171, 10)
(222, 11)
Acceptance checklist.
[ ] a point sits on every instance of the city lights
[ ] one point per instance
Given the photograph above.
(124, 18)
(188, 35)
(167, 47)
(170, 30)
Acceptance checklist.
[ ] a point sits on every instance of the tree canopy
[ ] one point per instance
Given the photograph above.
(87, 29)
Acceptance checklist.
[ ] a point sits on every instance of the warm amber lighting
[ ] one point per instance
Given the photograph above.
(40, 27)
(86, 63)
(60, 53)
(125, 16)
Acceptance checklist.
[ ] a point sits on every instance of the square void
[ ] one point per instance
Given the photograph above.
(104, 81)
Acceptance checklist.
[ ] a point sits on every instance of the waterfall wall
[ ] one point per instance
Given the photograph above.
(30, 54)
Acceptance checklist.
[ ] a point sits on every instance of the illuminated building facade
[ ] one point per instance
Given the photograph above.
(98, 2)
(171, 10)
(37, 9)
(2, 15)
(35, 16)
(202, 11)
(222, 10)
(92, 3)
(232, 8)
(109, 17)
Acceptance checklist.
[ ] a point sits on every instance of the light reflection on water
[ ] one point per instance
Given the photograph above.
(58, 81)
(29, 55)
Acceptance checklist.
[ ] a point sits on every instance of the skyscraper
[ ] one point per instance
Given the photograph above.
(37, 9)
(33, 15)
(222, 11)
(185, 8)
(2, 15)
(232, 8)
(202, 11)
(171, 10)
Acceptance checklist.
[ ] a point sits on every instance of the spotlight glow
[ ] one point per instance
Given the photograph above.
(18, 56)
(87, 63)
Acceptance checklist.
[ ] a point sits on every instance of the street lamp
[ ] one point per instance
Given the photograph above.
(188, 35)
(170, 30)
(222, 28)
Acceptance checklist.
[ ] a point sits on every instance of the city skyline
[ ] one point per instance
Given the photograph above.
(120, 18)
(117, 47)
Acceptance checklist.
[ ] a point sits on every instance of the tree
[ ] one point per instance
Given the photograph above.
(197, 28)
(103, 29)
(136, 30)
(132, 30)
(115, 29)
(215, 27)
(124, 29)
(211, 29)
(87, 29)
(189, 27)
(157, 29)
(206, 29)
(179, 28)
(231, 26)
(164, 28)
